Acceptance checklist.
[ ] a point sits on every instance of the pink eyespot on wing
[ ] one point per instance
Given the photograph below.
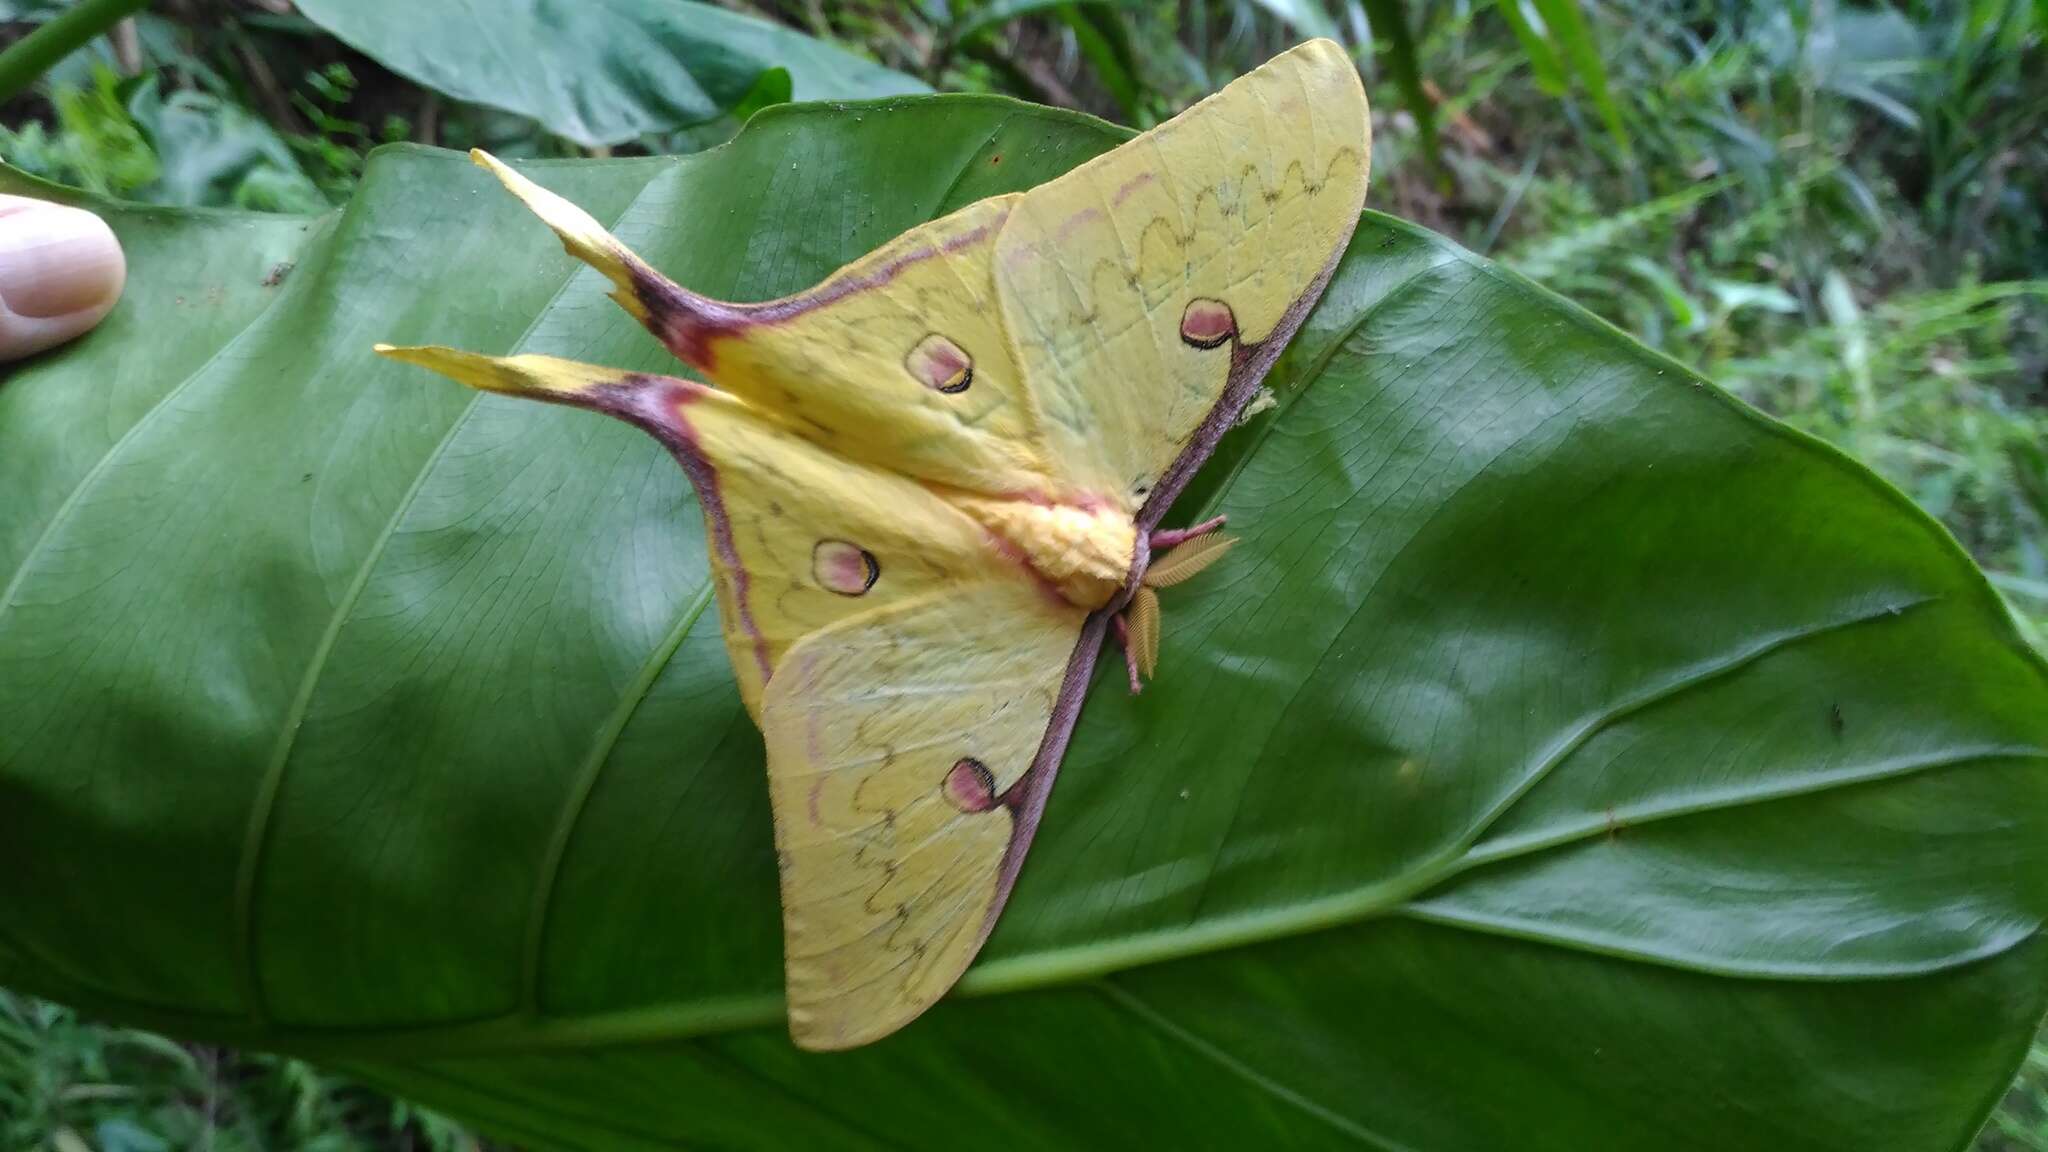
(940, 365)
(1207, 323)
(847, 569)
(970, 786)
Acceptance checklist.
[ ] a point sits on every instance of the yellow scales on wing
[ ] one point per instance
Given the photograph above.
(932, 481)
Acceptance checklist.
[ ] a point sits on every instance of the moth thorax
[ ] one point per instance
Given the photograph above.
(1084, 552)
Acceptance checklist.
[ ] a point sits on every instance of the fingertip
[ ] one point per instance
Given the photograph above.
(61, 272)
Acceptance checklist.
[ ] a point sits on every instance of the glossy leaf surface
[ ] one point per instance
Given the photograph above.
(1567, 757)
(600, 71)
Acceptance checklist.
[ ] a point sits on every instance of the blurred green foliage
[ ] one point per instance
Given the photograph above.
(70, 1086)
(1840, 212)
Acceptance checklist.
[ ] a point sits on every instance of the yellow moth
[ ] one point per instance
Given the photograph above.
(934, 481)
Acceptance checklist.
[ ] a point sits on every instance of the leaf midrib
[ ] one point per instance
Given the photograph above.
(517, 1031)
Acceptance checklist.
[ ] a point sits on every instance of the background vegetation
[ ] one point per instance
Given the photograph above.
(1834, 210)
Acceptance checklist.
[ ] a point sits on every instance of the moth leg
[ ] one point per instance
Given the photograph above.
(1123, 637)
(1168, 537)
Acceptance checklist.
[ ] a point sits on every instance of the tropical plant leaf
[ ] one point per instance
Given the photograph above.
(600, 71)
(1567, 757)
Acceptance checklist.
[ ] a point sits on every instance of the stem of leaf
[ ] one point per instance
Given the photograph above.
(32, 55)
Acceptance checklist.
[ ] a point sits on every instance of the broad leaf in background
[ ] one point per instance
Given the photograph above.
(214, 151)
(599, 71)
(1568, 757)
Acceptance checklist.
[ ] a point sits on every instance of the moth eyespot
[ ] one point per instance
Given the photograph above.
(1207, 323)
(969, 786)
(847, 569)
(940, 365)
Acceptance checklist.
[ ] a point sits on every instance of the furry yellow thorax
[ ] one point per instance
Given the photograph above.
(1084, 552)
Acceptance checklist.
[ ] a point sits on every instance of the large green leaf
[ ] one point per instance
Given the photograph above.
(599, 71)
(1570, 757)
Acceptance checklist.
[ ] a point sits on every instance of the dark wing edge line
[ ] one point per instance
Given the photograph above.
(1248, 367)
(1026, 798)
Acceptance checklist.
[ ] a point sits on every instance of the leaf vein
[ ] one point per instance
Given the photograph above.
(578, 801)
(1166, 1026)
(1896, 768)
(1688, 678)
(256, 837)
